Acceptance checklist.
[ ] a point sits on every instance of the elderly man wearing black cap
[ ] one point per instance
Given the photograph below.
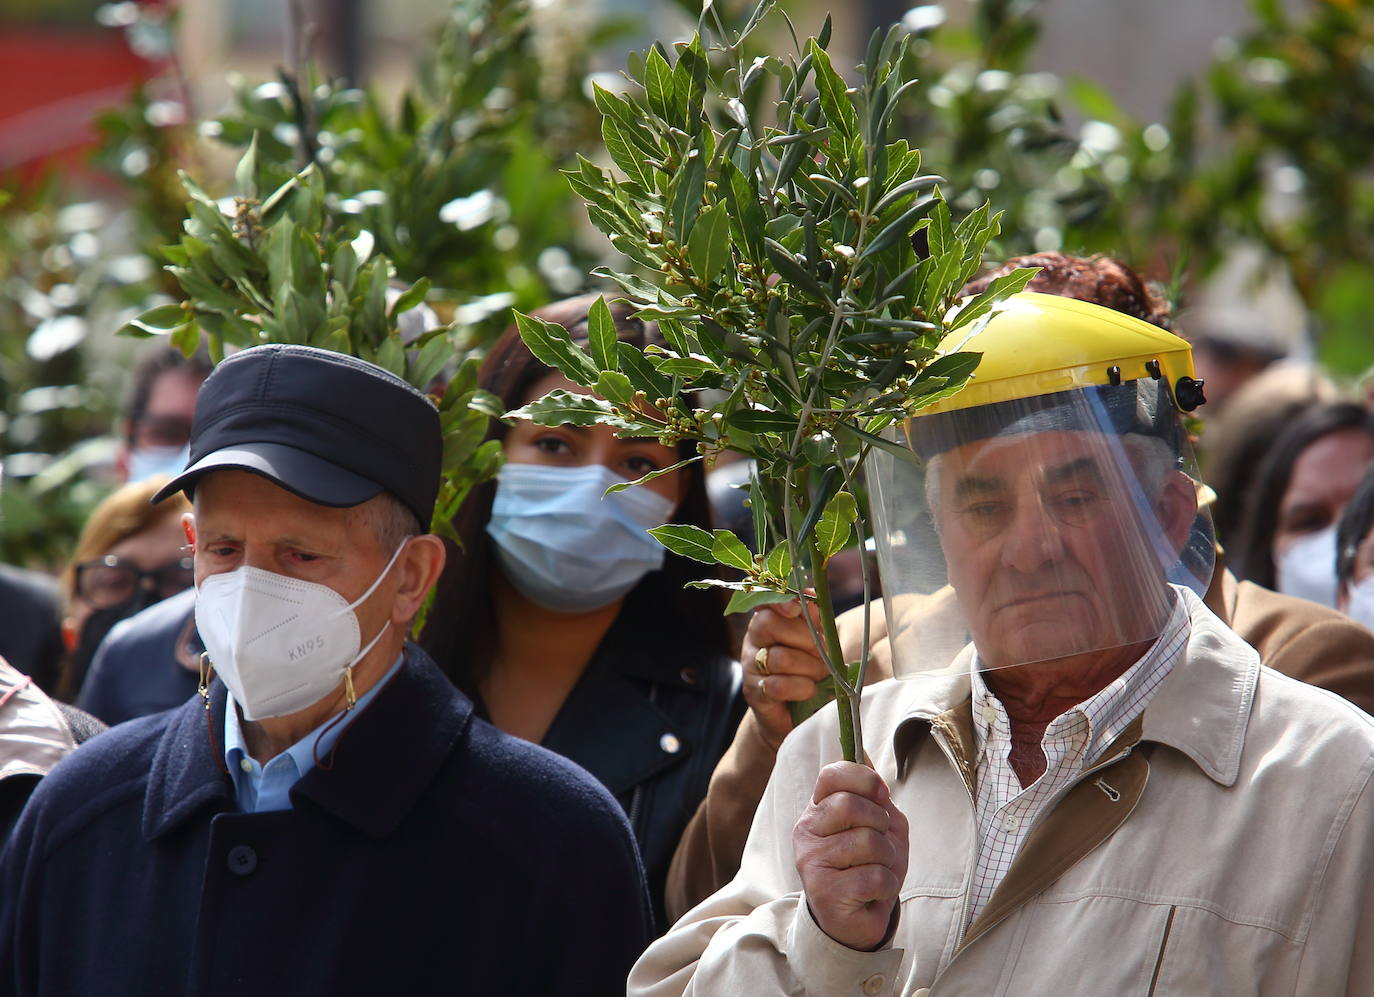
(328, 817)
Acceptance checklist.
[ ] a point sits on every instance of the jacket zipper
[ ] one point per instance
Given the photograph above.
(1163, 944)
(637, 797)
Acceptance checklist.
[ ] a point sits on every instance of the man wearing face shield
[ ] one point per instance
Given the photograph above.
(1089, 785)
(327, 816)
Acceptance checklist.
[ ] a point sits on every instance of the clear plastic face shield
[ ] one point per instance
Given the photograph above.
(1038, 528)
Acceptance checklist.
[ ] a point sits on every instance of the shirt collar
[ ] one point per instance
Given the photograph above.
(1201, 708)
(1109, 710)
(303, 753)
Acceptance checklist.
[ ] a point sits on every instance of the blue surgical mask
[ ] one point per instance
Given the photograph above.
(145, 462)
(563, 545)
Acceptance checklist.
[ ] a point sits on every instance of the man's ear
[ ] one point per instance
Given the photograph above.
(1177, 508)
(188, 527)
(418, 567)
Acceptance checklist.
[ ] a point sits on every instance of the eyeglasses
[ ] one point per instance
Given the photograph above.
(161, 431)
(109, 580)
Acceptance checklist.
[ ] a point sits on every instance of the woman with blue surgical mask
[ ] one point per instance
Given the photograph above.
(586, 641)
(1287, 539)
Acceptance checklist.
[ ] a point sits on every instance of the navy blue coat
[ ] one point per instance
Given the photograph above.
(437, 855)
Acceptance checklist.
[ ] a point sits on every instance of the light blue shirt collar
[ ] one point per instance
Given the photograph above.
(260, 788)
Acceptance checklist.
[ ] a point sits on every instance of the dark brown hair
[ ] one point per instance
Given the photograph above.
(1099, 280)
(460, 633)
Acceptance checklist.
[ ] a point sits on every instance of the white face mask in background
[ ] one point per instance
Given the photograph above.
(566, 548)
(1307, 568)
(1360, 608)
(278, 643)
(145, 462)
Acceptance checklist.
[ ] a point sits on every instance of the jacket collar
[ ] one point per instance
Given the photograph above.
(33, 735)
(1201, 709)
(647, 739)
(383, 761)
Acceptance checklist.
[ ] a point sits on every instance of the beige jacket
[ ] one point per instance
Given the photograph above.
(1225, 845)
(33, 734)
(1294, 636)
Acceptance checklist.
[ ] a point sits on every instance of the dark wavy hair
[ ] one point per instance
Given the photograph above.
(1253, 555)
(460, 633)
(1356, 521)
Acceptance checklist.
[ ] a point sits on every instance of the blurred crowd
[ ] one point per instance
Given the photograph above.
(555, 619)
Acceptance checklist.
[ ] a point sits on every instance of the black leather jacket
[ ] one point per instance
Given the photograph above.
(651, 721)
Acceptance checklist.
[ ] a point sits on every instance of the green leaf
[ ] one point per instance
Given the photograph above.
(161, 319)
(708, 249)
(622, 150)
(829, 485)
(620, 486)
(429, 361)
(761, 421)
(615, 388)
(686, 190)
(410, 298)
(564, 408)
(601, 335)
(730, 551)
(839, 110)
(246, 173)
(553, 346)
(779, 561)
(747, 602)
(836, 524)
(658, 87)
(643, 375)
(997, 290)
(688, 541)
(900, 227)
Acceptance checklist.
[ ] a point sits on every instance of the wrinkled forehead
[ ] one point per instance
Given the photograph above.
(1020, 460)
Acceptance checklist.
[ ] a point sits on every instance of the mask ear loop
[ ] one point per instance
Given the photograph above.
(350, 697)
(204, 690)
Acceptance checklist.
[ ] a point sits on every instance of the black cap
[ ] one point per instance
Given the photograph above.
(331, 428)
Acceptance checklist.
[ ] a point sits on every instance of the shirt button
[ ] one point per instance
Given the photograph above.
(670, 743)
(246, 764)
(242, 860)
(1011, 822)
(874, 984)
(688, 675)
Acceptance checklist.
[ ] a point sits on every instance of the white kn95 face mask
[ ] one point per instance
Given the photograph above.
(280, 644)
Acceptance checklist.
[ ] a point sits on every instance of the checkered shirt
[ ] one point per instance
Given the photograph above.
(1006, 812)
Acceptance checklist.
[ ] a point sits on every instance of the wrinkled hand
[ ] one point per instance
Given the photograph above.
(851, 852)
(793, 666)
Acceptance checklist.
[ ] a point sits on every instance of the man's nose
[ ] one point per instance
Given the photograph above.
(1032, 538)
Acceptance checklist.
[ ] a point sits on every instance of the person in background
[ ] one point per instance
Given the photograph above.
(157, 413)
(1287, 539)
(30, 625)
(568, 624)
(328, 817)
(36, 732)
(130, 555)
(1234, 442)
(1355, 555)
